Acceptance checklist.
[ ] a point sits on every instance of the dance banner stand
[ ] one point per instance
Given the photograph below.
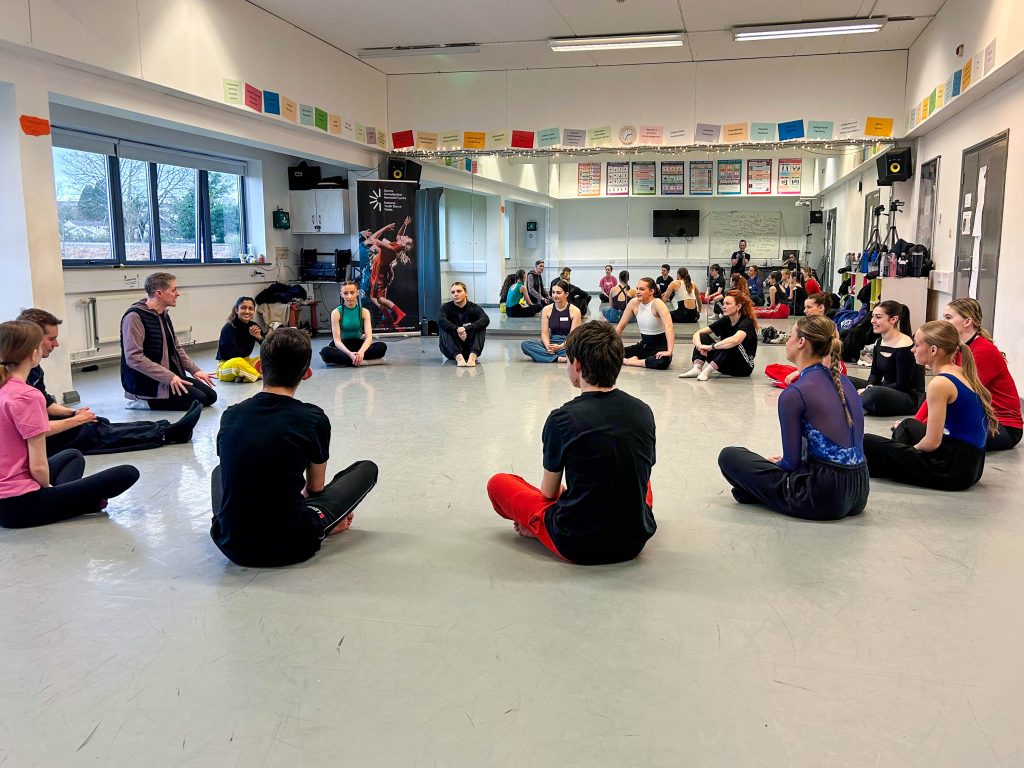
(387, 254)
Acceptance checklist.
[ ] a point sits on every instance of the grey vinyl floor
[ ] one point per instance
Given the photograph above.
(431, 635)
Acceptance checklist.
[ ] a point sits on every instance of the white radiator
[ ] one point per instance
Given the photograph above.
(102, 316)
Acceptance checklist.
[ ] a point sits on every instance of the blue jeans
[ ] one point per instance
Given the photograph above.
(614, 315)
(539, 354)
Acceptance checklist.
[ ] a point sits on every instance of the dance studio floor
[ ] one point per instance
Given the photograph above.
(431, 635)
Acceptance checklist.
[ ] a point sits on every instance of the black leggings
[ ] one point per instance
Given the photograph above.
(331, 355)
(683, 315)
(102, 436)
(818, 490)
(730, 362)
(198, 392)
(517, 310)
(71, 495)
(953, 466)
(880, 400)
(649, 346)
(911, 431)
(451, 345)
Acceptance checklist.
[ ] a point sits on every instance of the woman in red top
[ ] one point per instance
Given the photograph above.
(965, 315)
(810, 284)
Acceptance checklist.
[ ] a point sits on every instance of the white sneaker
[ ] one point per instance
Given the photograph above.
(693, 373)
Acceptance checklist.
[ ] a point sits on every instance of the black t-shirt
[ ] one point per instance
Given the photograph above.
(739, 260)
(605, 443)
(663, 283)
(723, 329)
(716, 284)
(36, 379)
(265, 445)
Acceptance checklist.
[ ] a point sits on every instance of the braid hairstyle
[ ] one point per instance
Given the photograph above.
(823, 337)
(943, 335)
(970, 309)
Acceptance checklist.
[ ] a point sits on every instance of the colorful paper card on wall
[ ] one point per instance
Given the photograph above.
(497, 140)
(673, 178)
(734, 132)
(978, 66)
(382, 139)
(307, 114)
(790, 175)
(588, 180)
(450, 139)
(762, 131)
(702, 177)
(652, 135)
(878, 126)
(819, 129)
(426, 140)
(253, 98)
(272, 103)
(360, 133)
(932, 98)
(320, 118)
(958, 77)
(371, 135)
(759, 177)
(34, 126)
(850, 128)
(918, 117)
(708, 133)
(940, 96)
(289, 109)
(474, 140)
(233, 91)
(645, 177)
(730, 177)
(965, 79)
(618, 179)
(334, 124)
(949, 90)
(348, 129)
(925, 111)
(598, 137)
(990, 57)
(402, 139)
(574, 137)
(549, 137)
(792, 129)
(677, 136)
(522, 139)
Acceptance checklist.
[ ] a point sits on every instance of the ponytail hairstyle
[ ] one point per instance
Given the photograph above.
(510, 280)
(895, 309)
(18, 340)
(624, 278)
(684, 274)
(970, 309)
(238, 302)
(649, 281)
(739, 283)
(823, 338)
(943, 336)
(746, 306)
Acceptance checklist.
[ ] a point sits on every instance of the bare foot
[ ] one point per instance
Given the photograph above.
(472, 360)
(460, 361)
(344, 525)
(523, 531)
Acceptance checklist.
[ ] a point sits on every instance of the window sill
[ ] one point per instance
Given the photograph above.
(157, 265)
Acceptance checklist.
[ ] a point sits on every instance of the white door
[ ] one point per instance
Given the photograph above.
(330, 211)
(303, 212)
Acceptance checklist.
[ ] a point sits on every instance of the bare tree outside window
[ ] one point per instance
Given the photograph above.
(83, 208)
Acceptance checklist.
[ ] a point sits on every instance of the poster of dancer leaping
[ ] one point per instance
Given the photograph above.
(387, 254)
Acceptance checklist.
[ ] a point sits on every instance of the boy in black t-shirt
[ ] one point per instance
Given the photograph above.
(270, 504)
(603, 443)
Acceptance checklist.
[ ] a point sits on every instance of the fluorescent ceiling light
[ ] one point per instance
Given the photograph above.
(809, 29)
(418, 50)
(617, 42)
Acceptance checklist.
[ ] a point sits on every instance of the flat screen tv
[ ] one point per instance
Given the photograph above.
(676, 223)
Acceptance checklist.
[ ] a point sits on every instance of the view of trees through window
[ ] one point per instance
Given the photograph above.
(180, 199)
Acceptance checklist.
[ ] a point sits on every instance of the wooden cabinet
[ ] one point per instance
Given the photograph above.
(318, 212)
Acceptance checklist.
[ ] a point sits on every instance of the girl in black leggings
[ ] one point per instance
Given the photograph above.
(895, 386)
(33, 490)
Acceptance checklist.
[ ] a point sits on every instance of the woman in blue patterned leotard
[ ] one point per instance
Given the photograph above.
(821, 474)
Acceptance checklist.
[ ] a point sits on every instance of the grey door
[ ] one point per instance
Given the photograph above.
(980, 223)
(829, 271)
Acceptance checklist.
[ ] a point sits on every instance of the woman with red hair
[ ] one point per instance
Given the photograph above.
(733, 352)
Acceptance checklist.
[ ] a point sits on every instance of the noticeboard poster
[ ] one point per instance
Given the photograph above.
(673, 178)
(790, 175)
(702, 177)
(617, 180)
(730, 177)
(588, 180)
(759, 177)
(645, 177)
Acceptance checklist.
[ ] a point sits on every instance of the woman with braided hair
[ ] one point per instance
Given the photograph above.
(822, 473)
(951, 455)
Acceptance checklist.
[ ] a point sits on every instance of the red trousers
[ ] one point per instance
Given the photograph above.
(778, 373)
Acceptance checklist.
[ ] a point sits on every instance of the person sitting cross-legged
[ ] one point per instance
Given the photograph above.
(556, 322)
(603, 444)
(271, 506)
(352, 341)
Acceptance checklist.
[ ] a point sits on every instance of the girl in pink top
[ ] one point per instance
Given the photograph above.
(607, 282)
(34, 490)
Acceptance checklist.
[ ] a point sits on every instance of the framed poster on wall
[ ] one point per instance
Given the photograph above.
(645, 177)
(759, 177)
(790, 175)
(730, 177)
(617, 183)
(673, 178)
(588, 180)
(701, 177)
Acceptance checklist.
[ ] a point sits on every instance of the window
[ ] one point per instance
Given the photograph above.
(129, 203)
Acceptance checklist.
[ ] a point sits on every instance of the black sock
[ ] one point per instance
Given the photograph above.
(181, 430)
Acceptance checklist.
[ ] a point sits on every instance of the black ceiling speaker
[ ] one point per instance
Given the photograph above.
(895, 165)
(400, 169)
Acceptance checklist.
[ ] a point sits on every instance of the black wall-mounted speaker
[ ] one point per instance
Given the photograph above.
(400, 169)
(817, 217)
(895, 165)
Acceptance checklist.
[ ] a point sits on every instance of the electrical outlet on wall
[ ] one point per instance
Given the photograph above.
(281, 254)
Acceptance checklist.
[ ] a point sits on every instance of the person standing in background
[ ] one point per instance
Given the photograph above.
(739, 260)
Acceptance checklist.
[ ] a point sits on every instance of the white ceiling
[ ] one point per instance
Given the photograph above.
(514, 33)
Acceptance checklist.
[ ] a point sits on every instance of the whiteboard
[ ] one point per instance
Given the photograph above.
(762, 231)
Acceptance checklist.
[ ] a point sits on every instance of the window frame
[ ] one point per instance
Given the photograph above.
(115, 206)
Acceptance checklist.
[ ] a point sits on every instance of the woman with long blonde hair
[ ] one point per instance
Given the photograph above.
(951, 454)
(821, 419)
